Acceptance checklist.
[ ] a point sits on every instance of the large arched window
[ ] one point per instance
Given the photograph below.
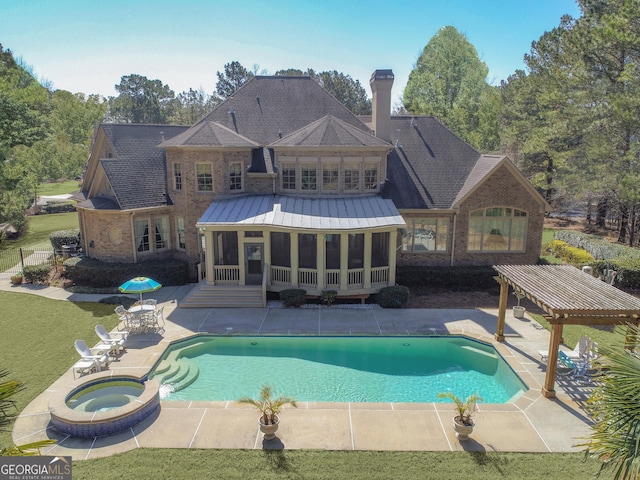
(497, 229)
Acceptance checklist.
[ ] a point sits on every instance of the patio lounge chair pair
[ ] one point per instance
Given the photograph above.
(91, 359)
(579, 369)
(117, 340)
(577, 353)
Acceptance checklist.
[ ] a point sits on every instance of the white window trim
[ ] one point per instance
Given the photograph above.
(210, 165)
(241, 189)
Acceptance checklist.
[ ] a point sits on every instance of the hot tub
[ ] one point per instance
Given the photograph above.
(103, 405)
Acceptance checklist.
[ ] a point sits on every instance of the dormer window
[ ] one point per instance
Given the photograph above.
(370, 176)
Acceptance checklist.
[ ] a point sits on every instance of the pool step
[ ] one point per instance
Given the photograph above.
(188, 379)
(479, 351)
(181, 373)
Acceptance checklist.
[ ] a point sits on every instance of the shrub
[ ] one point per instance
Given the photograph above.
(60, 207)
(37, 274)
(64, 237)
(569, 254)
(88, 272)
(329, 296)
(393, 297)
(293, 297)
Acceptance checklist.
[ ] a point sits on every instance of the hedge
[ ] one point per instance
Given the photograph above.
(64, 237)
(449, 278)
(613, 256)
(92, 273)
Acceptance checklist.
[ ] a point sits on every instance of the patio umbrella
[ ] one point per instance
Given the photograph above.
(139, 285)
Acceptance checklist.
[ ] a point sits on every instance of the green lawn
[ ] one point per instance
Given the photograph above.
(39, 227)
(47, 189)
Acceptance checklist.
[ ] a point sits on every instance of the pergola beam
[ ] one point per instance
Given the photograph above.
(570, 297)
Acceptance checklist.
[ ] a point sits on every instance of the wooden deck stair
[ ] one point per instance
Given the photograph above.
(224, 296)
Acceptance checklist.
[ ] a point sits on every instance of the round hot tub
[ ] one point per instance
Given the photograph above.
(103, 405)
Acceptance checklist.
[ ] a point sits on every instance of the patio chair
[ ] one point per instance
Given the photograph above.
(82, 367)
(577, 353)
(97, 355)
(158, 318)
(579, 370)
(149, 301)
(118, 340)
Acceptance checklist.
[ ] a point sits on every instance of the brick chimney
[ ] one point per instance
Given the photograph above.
(381, 83)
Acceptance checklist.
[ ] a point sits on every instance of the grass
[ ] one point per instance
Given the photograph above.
(315, 464)
(36, 344)
(48, 189)
(39, 227)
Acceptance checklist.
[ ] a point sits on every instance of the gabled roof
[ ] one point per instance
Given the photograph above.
(330, 131)
(266, 109)
(137, 171)
(209, 134)
(429, 164)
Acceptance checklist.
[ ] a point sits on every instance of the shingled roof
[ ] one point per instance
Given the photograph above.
(266, 109)
(208, 134)
(137, 170)
(330, 131)
(429, 165)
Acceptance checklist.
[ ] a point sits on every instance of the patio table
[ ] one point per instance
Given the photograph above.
(142, 318)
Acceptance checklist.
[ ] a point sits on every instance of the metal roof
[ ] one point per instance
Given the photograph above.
(344, 213)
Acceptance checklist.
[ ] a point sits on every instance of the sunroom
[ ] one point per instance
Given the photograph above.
(280, 242)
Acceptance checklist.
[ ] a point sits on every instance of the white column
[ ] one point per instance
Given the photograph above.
(366, 261)
(320, 260)
(294, 258)
(393, 239)
(344, 261)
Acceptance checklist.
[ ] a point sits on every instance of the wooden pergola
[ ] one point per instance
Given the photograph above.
(568, 296)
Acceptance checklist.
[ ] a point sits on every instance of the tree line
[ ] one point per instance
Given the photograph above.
(570, 122)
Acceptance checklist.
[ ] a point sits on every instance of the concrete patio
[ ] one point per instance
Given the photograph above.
(531, 424)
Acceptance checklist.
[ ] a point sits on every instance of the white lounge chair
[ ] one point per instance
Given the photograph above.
(82, 367)
(117, 340)
(576, 354)
(97, 355)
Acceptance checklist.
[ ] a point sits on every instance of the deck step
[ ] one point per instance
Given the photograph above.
(224, 296)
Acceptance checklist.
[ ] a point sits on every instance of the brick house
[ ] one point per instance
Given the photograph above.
(282, 187)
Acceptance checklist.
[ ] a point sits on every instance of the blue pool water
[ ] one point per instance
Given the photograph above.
(336, 369)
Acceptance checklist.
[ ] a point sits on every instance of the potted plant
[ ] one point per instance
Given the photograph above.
(462, 422)
(269, 407)
(16, 279)
(518, 311)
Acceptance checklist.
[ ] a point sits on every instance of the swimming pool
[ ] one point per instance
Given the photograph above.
(335, 369)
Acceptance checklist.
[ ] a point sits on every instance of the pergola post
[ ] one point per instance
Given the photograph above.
(502, 309)
(548, 390)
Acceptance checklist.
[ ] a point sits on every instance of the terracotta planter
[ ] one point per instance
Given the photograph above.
(518, 312)
(269, 430)
(462, 431)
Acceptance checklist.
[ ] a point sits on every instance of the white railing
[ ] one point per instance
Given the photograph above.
(226, 274)
(333, 278)
(356, 278)
(280, 276)
(307, 277)
(379, 275)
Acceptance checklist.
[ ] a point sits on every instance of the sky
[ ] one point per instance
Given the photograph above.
(87, 46)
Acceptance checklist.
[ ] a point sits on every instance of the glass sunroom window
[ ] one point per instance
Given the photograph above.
(498, 229)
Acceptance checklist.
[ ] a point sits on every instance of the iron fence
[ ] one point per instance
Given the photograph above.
(13, 260)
